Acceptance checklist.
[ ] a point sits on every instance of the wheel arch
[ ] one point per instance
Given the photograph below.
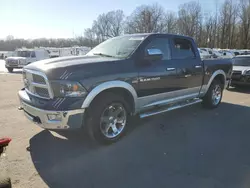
(219, 74)
(112, 86)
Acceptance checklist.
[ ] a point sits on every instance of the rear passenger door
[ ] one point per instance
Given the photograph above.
(189, 70)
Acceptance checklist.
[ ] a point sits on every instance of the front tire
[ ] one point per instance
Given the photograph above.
(213, 96)
(10, 70)
(108, 118)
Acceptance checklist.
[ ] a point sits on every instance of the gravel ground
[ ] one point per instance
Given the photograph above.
(190, 147)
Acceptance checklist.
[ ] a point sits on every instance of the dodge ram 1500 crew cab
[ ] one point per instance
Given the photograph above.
(139, 74)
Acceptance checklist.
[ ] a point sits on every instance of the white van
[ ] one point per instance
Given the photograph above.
(24, 57)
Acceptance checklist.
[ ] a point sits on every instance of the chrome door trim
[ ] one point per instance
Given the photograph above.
(167, 98)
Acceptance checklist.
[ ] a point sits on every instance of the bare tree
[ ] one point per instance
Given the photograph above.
(244, 15)
(227, 27)
(170, 23)
(90, 37)
(190, 18)
(108, 25)
(228, 18)
(116, 21)
(146, 19)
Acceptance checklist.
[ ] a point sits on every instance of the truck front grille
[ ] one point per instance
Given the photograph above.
(12, 62)
(236, 75)
(38, 79)
(42, 92)
(37, 84)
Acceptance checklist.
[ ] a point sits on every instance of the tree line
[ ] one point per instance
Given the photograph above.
(227, 26)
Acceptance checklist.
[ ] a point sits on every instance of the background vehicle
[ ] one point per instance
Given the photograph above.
(241, 71)
(144, 74)
(24, 57)
(5, 181)
(204, 54)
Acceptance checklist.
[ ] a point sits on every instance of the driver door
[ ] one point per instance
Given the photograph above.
(157, 79)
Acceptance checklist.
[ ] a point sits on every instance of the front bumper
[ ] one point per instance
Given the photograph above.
(70, 119)
(243, 80)
(14, 66)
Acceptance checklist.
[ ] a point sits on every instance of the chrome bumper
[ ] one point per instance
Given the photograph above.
(71, 119)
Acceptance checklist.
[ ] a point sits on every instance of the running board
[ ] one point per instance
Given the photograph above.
(169, 108)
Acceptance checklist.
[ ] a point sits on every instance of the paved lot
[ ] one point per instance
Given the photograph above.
(189, 148)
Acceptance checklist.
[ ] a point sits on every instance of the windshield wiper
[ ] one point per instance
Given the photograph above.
(101, 54)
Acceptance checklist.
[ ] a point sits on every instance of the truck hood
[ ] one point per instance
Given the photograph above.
(69, 61)
(241, 68)
(75, 66)
(16, 58)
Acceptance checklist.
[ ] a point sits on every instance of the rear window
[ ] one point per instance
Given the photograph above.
(241, 61)
(183, 49)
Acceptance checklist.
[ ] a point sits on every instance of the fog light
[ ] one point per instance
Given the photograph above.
(54, 117)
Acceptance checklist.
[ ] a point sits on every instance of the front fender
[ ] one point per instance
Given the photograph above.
(108, 85)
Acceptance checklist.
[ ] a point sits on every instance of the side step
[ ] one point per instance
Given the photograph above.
(159, 110)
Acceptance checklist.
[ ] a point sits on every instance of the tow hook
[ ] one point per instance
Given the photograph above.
(20, 108)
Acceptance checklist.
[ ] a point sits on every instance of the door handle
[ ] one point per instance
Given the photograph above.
(198, 66)
(170, 69)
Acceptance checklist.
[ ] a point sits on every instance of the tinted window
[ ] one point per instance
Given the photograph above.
(23, 53)
(161, 44)
(241, 61)
(183, 49)
(33, 54)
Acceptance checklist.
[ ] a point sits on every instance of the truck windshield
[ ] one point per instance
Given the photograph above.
(119, 47)
(240, 61)
(23, 53)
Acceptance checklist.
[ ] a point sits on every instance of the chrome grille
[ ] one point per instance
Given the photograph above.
(38, 79)
(236, 75)
(42, 92)
(12, 62)
(36, 83)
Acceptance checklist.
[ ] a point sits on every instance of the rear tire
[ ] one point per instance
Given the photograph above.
(108, 118)
(10, 70)
(214, 95)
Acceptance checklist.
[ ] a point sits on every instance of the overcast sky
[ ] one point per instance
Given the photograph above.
(68, 18)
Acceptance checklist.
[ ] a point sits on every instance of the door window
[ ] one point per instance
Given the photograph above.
(183, 49)
(33, 54)
(161, 44)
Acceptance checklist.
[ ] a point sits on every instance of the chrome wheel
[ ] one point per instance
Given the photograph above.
(216, 95)
(113, 120)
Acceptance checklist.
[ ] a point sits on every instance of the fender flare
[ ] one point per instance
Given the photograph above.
(108, 85)
(216, 73)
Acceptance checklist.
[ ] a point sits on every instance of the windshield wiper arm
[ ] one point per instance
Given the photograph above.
(101, 54)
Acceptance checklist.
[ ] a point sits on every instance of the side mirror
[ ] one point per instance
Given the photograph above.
(154, 54)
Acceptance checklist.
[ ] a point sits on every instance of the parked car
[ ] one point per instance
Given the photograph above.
(139, 74)
(241, 71)
(204, 54)
(25, 57)
(226, 54)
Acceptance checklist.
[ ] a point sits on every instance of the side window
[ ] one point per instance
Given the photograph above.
(161, 44)
(183, 48)
(33, 54)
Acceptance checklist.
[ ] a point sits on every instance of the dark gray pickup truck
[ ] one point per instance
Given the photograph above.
(140, 74)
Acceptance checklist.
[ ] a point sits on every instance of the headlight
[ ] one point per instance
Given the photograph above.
(68, 89)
